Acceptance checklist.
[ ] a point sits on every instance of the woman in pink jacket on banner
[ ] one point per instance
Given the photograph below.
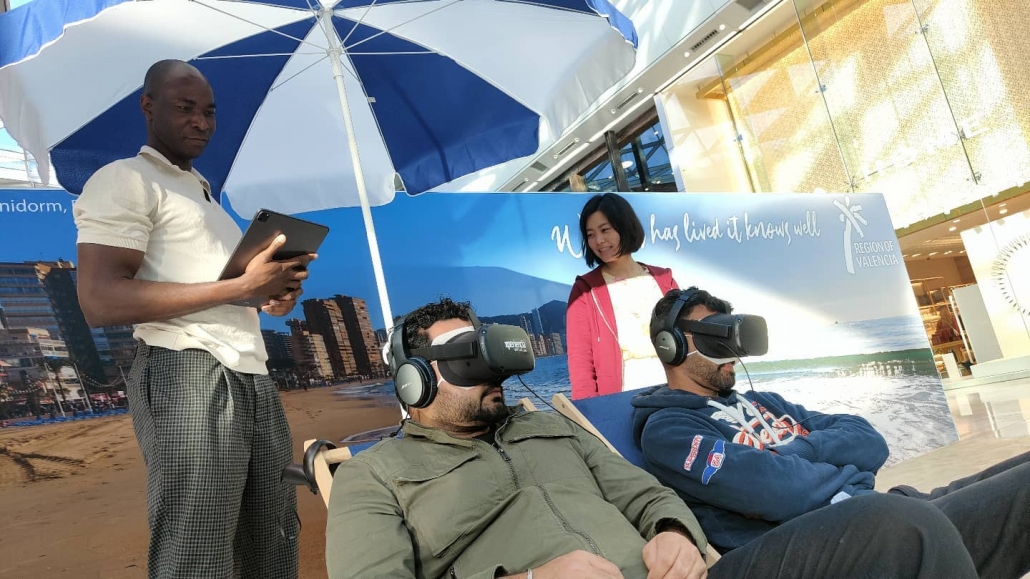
(609, 311)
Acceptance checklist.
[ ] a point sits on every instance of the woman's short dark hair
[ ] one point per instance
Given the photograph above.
(621, 216)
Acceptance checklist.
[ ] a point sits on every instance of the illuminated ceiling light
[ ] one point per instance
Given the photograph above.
(916, 254)
(932, 253)
(686, 54)
(1003, 212)
(952, 228)
(947, 252)
(1003, 204)
(956, 221)
(722, 27)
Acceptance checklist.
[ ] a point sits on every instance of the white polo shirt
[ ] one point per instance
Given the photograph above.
(148, 204)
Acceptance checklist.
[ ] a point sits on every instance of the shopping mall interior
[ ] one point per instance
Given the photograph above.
(924, 101)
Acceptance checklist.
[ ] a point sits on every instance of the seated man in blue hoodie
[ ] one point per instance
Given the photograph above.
(747, 463)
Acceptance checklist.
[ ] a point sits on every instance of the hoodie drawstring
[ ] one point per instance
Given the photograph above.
(597, 304)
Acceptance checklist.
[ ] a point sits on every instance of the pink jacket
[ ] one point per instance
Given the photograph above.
(595, 358)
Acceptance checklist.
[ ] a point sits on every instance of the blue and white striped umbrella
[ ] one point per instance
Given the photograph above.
(437, 89)
(427, 90)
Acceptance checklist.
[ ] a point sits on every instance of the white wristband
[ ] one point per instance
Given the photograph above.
(529, 574)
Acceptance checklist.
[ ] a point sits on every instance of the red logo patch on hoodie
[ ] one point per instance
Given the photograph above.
(695, 447)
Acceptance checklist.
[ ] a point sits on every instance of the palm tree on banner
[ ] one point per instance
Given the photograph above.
(54, 365)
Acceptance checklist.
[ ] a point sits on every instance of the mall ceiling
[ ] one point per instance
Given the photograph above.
(761, 18)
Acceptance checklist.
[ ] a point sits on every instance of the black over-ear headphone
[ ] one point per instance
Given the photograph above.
(414, 380)
(670, 343)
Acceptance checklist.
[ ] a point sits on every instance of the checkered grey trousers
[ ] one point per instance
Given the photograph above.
(215, 442)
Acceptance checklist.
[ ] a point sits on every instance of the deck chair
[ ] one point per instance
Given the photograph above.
(610, 419)
(322, 456)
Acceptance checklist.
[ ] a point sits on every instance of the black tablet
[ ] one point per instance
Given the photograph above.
(302, 237)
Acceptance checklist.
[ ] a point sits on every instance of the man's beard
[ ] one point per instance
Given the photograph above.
(708, 374)
(473, 414)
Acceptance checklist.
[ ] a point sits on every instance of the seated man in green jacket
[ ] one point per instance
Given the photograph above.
(476, 489)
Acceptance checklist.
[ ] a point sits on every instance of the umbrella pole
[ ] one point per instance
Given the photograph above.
(335, 56)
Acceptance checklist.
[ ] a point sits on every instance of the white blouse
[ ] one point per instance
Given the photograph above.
(633, 300)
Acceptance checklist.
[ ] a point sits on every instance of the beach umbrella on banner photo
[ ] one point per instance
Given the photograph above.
(320, 105)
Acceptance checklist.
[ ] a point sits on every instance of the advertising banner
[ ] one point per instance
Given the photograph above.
(824, 270)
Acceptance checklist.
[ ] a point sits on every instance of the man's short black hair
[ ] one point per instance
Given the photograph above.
(418, 321)
(621, 216)
(159, 72)
(701, 298)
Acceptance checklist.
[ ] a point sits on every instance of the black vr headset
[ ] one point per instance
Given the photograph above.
(489, 354)
(716, 336)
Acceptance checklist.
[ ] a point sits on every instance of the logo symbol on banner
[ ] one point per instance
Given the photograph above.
(851, 217)
(1012, 258)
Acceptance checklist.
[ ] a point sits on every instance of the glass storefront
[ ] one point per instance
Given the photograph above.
(642, 156)
(925, 101)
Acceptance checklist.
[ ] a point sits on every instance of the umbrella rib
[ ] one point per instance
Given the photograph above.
(389, 53)
(314, 11)
(343, 41)
(257, 55)
(231, 15)
(348, 49)
(348, 52)
(527, 2)
(392, 28)
(301, 71)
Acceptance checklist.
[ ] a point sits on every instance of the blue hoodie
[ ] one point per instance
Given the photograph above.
(749, 462)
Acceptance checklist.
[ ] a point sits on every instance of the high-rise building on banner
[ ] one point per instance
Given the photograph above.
(61, 285)
(362, 335)
(538, 324)
(24, 298)
(308, 351)
(525, 324)
(556, 344)
(325, 319)
(276, 345)
(23, 353)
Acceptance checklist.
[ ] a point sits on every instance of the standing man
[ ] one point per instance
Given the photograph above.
(151, 243)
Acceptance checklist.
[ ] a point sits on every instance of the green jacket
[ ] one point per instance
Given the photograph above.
(429, 505)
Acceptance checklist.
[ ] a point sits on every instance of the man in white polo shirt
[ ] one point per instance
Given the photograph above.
(151, 245)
